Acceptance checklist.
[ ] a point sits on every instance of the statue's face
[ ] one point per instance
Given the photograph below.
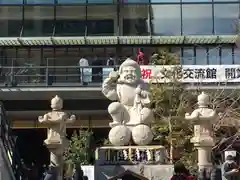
(56, 106)
(129, 75)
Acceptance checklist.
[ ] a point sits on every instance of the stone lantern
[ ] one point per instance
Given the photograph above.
(203, 119)
(56, 141)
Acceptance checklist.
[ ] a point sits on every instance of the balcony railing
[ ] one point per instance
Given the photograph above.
(93, 76)
(58, 76)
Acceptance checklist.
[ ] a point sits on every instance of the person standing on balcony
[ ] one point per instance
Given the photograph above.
(111, 61)
(141, 58)
(83, 64)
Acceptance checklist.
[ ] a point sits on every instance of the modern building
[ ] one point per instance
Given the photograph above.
(41, 42)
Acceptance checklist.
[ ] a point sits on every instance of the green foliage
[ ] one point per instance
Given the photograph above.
(79, 150)
(170, 102)
(164, 57)
(107, 142)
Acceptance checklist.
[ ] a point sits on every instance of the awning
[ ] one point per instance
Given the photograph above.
(36, 41)
(134, 39)
(114, 40)
(167, 39)
(10, 41)
(68, 40)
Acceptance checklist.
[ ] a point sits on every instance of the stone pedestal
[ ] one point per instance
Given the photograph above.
(203, 119)
(204, 157)
(56, 140)
(147, 161)
(130, 155)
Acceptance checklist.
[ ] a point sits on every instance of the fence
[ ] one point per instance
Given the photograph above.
(53, 75)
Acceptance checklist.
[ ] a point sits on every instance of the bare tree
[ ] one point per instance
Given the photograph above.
(172, 99)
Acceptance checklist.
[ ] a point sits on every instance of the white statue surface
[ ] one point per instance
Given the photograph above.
(203, 119)
(130, 110)
(56, 141)
(56, 121)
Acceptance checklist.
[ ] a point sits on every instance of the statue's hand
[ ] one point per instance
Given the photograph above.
(73, 117)
(43, 118)
(113, 76)
(138, 90)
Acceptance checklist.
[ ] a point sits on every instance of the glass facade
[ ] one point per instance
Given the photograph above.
(69, 56)
(30, 18)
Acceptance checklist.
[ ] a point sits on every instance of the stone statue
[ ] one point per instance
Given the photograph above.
(130, 111)
(56, 140)
(203, 119)
(57, 121)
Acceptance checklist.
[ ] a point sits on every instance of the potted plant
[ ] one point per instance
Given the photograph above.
(79, 152)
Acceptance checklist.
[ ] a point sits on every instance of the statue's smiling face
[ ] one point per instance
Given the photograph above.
(129, 75)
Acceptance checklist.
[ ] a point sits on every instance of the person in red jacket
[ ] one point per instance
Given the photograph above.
(141, 58)
(181, 173)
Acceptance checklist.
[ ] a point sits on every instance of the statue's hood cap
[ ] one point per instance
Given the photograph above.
(129, 62)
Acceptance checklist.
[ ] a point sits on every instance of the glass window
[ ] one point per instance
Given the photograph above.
(213, 56)
(39, 1)
(73, 52)
(226, 18)
(70, 21)
(135, 20)
(39, 20)
(8, 55)
(226, 55)
(101, 20)
(201, 56)
(23, 57)
(48, 56)
(197, 19)
(164, 1)
(197, 1)
(11, 1)
(188, 56)
(71, 1)
(10, 21)
(99, 1)
(236, 55)
(226, 1)
(135, 1)
(87, 52)
(166, 20)
(35, 56)
(126, 52)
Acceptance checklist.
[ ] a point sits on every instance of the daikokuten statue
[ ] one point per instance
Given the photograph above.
(130, 111)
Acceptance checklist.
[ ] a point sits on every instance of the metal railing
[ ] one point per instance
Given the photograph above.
(60, 76)
(9, 146)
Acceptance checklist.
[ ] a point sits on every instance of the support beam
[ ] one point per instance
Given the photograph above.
(27, 124)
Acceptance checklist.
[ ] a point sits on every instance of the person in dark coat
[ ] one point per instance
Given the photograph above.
(230, 169)
(181, 173)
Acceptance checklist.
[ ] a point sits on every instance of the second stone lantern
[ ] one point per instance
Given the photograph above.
(203, 119)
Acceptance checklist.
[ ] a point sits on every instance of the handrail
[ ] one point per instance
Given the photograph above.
(10, 149)
(53, 75)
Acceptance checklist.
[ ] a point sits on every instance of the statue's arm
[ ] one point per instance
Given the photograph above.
(72, 119)
(44, 119)
(109, 89)
(145, 95)
(194, 116)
